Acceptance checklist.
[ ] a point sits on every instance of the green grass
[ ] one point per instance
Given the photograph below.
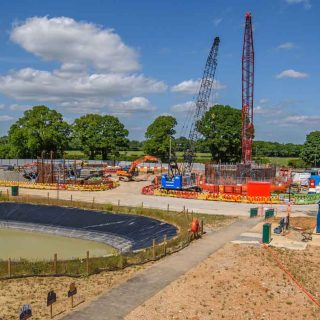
(280, 161)
(201, 157)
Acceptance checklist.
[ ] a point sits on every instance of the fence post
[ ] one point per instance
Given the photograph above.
(8, 194)
(168, 208)
(154, 249)
(184, 208)
(48, 197)
(9, 267)
(142, 205)
(92, 202)
(165, 244)
(71, 199)
(55, 265)
(121, 262)
(87, 262)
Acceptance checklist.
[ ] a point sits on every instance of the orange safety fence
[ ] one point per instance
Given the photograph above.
(211, 196)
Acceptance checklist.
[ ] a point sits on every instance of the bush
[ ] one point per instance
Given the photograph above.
(297, 163)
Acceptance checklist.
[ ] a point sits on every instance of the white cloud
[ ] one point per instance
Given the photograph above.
(306, 3)
(192, 86)
(96, 67)
(290, 73)
(266, 111)
(6, 118)
(134, 105)
(37, 85)
(184, 107)
(19, 107)
(301, 120)
(259, 110)
(217, 21)
(68, 41)
(286, 45)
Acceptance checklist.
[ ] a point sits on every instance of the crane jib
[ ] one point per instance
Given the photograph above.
(183, 178)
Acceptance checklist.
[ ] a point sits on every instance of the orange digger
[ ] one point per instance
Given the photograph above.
(128, 174)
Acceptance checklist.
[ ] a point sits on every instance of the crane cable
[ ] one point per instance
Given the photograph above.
(283, 268)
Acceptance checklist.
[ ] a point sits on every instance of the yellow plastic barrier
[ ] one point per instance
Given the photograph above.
(53, 186)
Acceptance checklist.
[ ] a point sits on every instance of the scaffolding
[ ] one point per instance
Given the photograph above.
(231, 174)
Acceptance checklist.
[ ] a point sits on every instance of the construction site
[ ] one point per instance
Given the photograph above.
(241, 182)
(177, 240)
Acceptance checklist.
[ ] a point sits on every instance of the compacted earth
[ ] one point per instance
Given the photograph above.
(16, 292)
(240, 282)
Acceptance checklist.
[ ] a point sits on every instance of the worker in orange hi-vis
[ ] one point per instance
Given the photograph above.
(195, 228)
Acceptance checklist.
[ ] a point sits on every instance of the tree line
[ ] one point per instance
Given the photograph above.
(42, 129)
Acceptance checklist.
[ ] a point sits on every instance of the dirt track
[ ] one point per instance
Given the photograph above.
(129, 193)
(237, 282)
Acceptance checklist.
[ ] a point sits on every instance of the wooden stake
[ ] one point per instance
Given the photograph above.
(92, 202)
(168, 207)
(184, 208)
(88, 258)
(48, 196)
(154, 249)
(71, 302)
(71, 199)
(165, 244)
(201, 227)
(9, 267)
(55, 265)
(142, 205)
(51, 311)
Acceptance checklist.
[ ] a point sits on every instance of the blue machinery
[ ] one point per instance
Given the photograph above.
(182, 177)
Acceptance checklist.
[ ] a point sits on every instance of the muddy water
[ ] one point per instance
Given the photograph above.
(40, 246)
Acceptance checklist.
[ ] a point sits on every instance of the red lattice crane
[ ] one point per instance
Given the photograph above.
(247, 90)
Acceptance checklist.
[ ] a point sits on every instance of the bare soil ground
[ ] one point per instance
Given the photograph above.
(239, 282)
(15, 293)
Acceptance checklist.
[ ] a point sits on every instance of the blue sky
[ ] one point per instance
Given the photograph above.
(140, 59)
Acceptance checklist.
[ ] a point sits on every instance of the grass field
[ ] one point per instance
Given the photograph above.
(281, 161)
(200, 157)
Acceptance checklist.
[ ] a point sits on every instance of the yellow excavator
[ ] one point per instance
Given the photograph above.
(127, 174)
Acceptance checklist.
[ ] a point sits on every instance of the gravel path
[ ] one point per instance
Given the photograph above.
(118, 302)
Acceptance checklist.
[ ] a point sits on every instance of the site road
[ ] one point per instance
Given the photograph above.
(129, 194)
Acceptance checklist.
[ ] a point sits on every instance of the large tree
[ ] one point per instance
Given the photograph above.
(5, 150)
(40, 129)
(221, 129)
(311, 149)
(276, 149)
(103, 135)
(158, 136)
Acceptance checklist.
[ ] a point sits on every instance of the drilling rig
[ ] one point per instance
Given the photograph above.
(181, 177)
(247, 91)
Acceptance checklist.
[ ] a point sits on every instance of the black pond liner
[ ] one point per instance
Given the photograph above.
(139, 230)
